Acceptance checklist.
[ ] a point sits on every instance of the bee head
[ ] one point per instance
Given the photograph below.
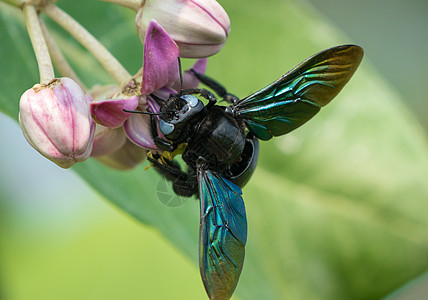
(176, 113)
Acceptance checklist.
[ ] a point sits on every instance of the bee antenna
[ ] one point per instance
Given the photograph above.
(181, 77)
(142, 112)
(158, 100)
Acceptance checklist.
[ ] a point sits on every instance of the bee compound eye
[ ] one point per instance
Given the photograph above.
(191, 100)
(165, 128)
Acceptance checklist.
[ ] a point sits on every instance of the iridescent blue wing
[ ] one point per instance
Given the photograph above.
(222, 235)
(298, 95)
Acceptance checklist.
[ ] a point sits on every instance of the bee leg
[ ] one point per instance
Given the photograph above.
(204, 93)
(163, 144)
(184, 184)
(211, 83)
(216, 87)
(168, 168)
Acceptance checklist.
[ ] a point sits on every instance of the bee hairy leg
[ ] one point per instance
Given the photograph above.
(184, 183)
(216, 87)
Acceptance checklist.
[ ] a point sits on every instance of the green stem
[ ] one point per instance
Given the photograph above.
(106, 59)
(39, 44)
(58, 58)
(135, 5)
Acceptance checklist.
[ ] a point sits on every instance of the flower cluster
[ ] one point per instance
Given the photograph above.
(68, 125)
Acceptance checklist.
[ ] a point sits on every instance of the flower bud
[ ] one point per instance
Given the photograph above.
(55, 120)
(199, 27)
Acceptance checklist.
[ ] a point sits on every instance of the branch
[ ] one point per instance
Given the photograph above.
(39, 44)
(58, 58)
(135, 5)
(106, 59)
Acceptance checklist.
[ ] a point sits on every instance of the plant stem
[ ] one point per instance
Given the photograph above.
(132, 4)
(39, 44)
(58, 58)
(106, 59)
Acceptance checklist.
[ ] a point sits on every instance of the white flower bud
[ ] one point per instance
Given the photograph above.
(199, 27)
(55, 120)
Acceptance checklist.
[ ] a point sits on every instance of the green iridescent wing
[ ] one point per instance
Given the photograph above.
(298, 95)
(222, 235)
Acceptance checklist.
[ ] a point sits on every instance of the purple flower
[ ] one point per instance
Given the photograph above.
(160, 76)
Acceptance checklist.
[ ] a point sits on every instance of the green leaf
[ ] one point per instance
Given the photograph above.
(336, 209)
(16, 48)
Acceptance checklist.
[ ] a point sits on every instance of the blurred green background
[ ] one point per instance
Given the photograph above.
(336, 209)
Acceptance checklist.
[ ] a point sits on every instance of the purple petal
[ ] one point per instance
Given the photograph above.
(137, 128)
(164, 93)
(189, 79)
(152, 105)
(107, 140)
(126, 157)
(160, 59)
(200, 65)
(110, 113)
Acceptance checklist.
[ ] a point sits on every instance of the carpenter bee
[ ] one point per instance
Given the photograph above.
(220, 146)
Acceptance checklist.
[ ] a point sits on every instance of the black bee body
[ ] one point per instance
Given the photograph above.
(212, 136)
(220, 148)
(217, 140)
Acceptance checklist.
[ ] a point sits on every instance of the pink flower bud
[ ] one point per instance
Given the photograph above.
(55, 120)
(199, 27)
